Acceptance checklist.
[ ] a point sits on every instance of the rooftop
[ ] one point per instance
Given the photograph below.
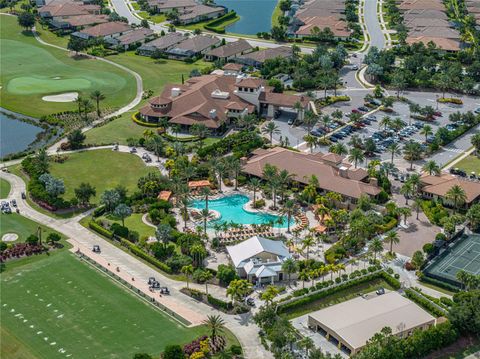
(440, 185)
(247, 249)
(230, 49)
(108, 28)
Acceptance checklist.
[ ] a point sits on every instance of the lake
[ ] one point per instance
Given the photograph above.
(255, 15)
(15, 135)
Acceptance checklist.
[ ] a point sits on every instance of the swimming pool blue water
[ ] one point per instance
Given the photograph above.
(231, 209)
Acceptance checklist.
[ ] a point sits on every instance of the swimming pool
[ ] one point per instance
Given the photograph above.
(231, 210)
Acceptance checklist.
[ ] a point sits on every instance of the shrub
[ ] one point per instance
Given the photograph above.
(236, 350)
(136, 119)
(173, 352)
(241, 143)
(260, 203)
(434, 212)
(119, 230)
(140, 253)
(216, 25)
(219, 304)
(455, 101)
(424, 303)
(100, 230)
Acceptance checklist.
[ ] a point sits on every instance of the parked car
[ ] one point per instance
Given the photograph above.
(133, 150)
(24, 196)
(355, 111)
(291, 121)
(96, 248)
(363, 109)
(355, 67)
(477, 110)
(250, 302)
(13, 202)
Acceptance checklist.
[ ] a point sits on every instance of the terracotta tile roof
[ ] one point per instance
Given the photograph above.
(164, 42)
(440, 185)
(303, 166)
(164, 195)
(233, 66)
(270, 53)
(250, 82)
(338, 26)
(106, 29)
(83, 20)
(442, 43)
(281, 99)
(424, 14)
(201, 183)
(230, 49)
(65, 9)
(136, 35)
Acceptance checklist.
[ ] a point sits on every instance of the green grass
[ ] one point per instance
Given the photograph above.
(4, 188)
(338, 297)
(51, 37)
(469, 164)
(158, 18)
(80, 310)
(15, 223)
(31, 70)
(103, 169)
(155, 74)
(135, 5)
(133, 223)
(275, 14)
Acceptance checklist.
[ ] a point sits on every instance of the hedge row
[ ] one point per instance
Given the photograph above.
(282, 308)
(213, 25)
(99, 229)
(382, 228)
(145, 256)
(180, 139)
(426, 279)
(424, 303)
(141, 123)
(455, 101)
(219, 304)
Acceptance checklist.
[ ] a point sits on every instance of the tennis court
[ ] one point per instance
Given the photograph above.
(464, 254)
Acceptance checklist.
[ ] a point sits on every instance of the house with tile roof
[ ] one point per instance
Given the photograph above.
(229, 50)
(333, 172)
(436, 188)
(161, 44)
(259, 260)
(104, 31)
(131, 39)
(257, 58)
(190, 47)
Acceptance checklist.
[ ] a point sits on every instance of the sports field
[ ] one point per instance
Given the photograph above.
(59, 307)
(463, 255)
(103, 169)
(31, 70)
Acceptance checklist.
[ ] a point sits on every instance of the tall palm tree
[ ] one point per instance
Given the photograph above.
(289, 266)
(97, 96)
(204, 214)
(218, 168)
(431, 167)
(457, 195)
(406, 190)
(304, 276)
(86, 104)
(188, 271)
(310, 120)
(254, 184)
(412, 151)
(284, 179)
(356, 155)
(235, 167)
(147, 134)
(387, 168)
(205, 192)
(376, 246)
(394, 150)
(413, 108)
(79, 101)
(270, 129)
(417, 204)
(308, 242)
(270, 174)
(311, 141)
(405, 212)
(289, 210)
(385, 122)
(393, 238)
(339, 149)
(216, 325)
(157, 143)
(426, 131)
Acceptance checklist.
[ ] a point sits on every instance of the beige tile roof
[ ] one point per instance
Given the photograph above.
(233, 66)
(109, 28)
(338, 26)
(345, 181)
(199, 10)
(440, 185)
(270, 53)
(441, 43)
(231, 49)
(422, 4)
(65, 9)
(136, 35)
(164, 42)
(84, 20)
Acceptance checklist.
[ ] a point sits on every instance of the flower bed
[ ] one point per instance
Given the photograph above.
(455, 101)
(20, 250)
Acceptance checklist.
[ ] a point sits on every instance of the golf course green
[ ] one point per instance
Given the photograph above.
(31, 70)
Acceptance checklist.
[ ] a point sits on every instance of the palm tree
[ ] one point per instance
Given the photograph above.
(376, 246)
(457, 195)
(413, 108)
(204, 214)
(417, 204)
(97, 96)
(270, 129)
(311, 141)
(475, 140)
(310, 120)
(216, 325)
(406, 190)
(254, 184)
(387, 168)
(205, 192)
(86, 104)
(385, 122)
(289, 209)
(156, 142)
(405, 212)
(289, 267)
(339, 149)
(218, 167)
(79, 101)
(356, 155)
(393, 238)
(270, 174)
(308, 242)
(303, 276)
(188, 271)
(394, 150)
(235, 166)
(426, 131)
(412, 151)
(284, 178)
(431, 167)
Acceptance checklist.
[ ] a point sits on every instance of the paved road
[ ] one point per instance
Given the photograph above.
(241, 325)
(373, 25)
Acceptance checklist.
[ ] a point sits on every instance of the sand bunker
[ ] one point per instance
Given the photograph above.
(9, 237)
(63, 97)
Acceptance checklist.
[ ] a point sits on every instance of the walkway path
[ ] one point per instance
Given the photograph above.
(241, 325)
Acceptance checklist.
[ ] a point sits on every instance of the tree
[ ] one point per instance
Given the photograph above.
(226, 273)
(53, 186)
(122, 211)
(269, 294)
(289, 210)
(148, 356)
(473, 216)
(173, 351)
(417, 204)
(339, 149)
(385, 122)
(308, 242)
(84, 192)
(406, 190)
(278, 33)
(289, 266)
(26, 20)
(53, 238)
(205, 276)
(376, 246)
(426, 131)
(457, 195)
(235, 167)
(144, 23)
(399, 81)
(188, 271)
(110, 199)
(76, 44)
(199, 130)
(431, 167)
(270, 174)
(163, 233)
(254, 185)
(356, 155)
(412, 151)
(216, 325)
(311, 141)
(393, 238)
(238, 289)
(465, 313)
(97, 96)
(271, 129)
(475, 140)
(42, 161)
(418, 259)
(75, 139)
(405, 212)
(204, 214)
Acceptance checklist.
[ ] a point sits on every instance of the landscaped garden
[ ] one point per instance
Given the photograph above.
(62, 306)
(31, 71)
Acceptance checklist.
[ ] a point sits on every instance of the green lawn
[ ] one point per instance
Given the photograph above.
(276, 13)
(155, 74)
(469, 164)
(157, 19)
(31, 70)
(133, 223)
(15, 223)
(103, 169)
(59, 305)
(4, 188)
(135, 5)
(338, 297)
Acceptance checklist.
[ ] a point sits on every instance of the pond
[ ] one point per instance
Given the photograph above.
(255, 15)
(231, 210)
(15, 135)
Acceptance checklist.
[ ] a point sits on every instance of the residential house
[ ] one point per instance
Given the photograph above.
(161, 44)
(104, 31)
(259, 260)
(164, 6)
(232, 69)
(308, 25)
(437, 187)
(58, 11)
(79, 22)
(229, 50)
(200, 13)
(333, 173)
(257, 58)
(191, 47)
(217, 100)
(131, 39)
